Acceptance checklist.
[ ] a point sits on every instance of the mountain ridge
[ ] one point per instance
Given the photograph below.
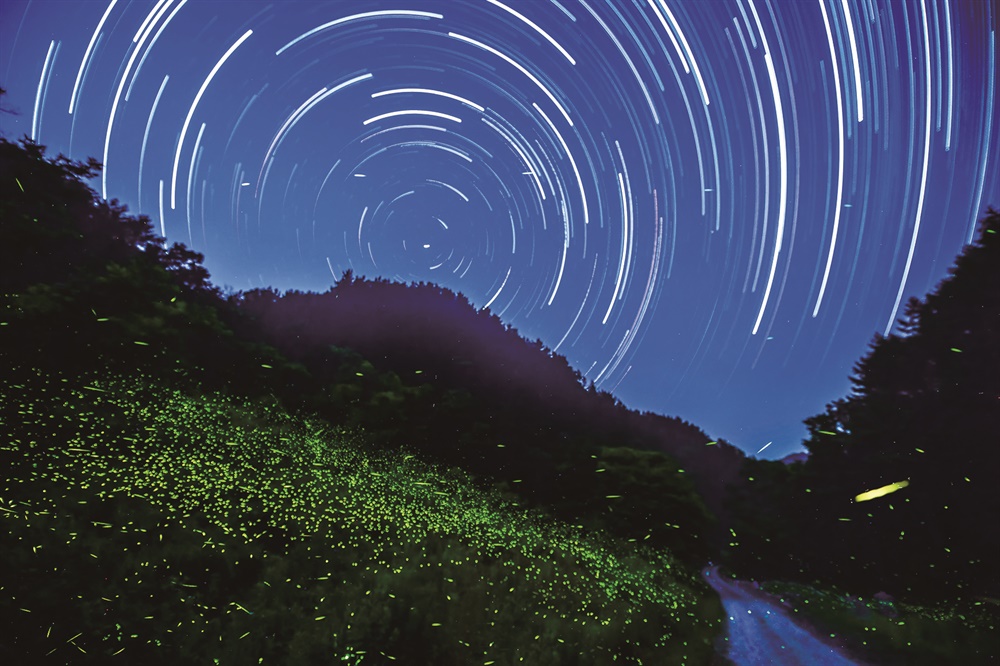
(411, 328)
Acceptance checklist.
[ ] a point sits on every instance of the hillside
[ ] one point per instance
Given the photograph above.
(429, 335)
(180, 488)
(166, 527)
(405, 363)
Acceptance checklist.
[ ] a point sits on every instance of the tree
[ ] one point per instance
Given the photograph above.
(922, 424)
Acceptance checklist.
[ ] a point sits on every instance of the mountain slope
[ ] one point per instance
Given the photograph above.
(144, 522)
(104, 292)
(166, 500)
(425, 333)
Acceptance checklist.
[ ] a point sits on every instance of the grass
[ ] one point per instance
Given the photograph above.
(147, 524)
(893, 632)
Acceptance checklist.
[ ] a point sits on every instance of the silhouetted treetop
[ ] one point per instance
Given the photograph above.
(923, 421)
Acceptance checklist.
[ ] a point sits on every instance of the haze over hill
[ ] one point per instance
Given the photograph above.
(428, 334)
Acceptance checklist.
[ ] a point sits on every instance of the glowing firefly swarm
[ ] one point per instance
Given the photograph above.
(698, 203)
(251, 482)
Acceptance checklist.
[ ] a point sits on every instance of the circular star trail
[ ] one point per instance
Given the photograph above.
(708, 208)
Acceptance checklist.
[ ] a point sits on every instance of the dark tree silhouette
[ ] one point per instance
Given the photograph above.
(922, 421)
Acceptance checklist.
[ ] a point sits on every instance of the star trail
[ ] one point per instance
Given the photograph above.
(708, 207)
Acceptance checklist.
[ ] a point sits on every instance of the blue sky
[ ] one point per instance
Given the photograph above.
(708, 207)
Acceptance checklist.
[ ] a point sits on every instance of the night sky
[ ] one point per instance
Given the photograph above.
(709, 207)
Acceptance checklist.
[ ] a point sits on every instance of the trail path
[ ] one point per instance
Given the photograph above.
(761, 631)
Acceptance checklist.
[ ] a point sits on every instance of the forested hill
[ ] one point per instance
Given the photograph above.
(178, 488)
(88, 287)
(428, 334)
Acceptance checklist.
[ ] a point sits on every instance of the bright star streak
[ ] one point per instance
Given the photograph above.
(621, 257)
(534, 27)
(293, 119)
(923, 175)
(194, 156)
(87, 54)
(355, 17)
(287, 125)
(854, 56)
(783, 169)
(163, 226)
(145, 135)
(630, 217)
(43, 80)
(840, 159)
(951, 75)
(988, 134)
(412, 112)
(427, 91)
(452, 188)
(361, 224)
(190, 113)
(490, 302)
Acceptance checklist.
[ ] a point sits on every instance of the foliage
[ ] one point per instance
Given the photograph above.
(922, 425)
(142, 522)
(468, 390)
(155, 516)
(86, 285)
(895, 633)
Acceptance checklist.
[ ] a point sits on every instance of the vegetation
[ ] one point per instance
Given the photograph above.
(170, 528)
(468, 390)
(921, 427)
(896, 496)
(382, 471)
(896, 633)
(182, 489)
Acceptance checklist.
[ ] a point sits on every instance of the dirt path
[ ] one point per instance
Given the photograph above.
(761, 631)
